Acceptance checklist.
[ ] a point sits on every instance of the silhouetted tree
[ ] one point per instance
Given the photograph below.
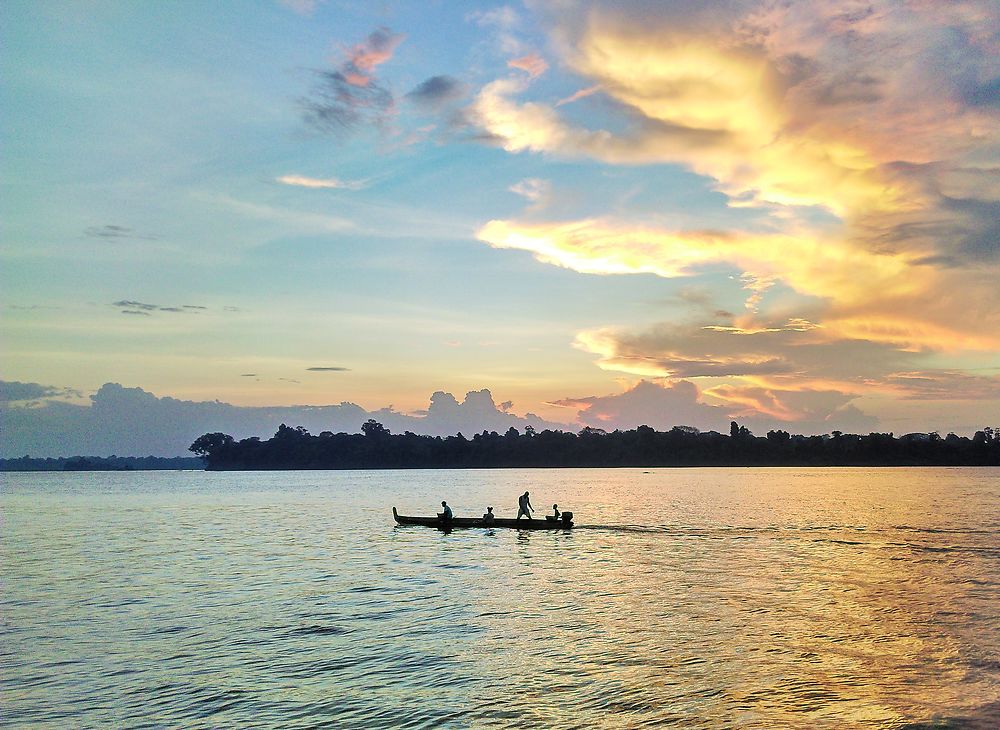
(376, 447)
(211, 443)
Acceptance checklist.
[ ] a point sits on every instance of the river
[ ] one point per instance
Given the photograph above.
(770, 598)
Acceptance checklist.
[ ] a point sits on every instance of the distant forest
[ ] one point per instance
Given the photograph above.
(376, 448)
(101, 463)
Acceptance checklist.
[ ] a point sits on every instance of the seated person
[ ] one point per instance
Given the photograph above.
(446, 515)
(489, 516)
(554, 517)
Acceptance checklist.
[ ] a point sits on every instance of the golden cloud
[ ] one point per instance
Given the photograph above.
(810, 265)
(884, 117)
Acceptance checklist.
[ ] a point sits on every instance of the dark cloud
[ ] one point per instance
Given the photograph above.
(952, 229)
(132, 421)
(337, 106)
(112, 233)
(131, 306)
(937, 262)
(13, 391)
(328, 369)
(435, 91)
(979, 229)
(987, 94)
(351, 96)
(649, 404)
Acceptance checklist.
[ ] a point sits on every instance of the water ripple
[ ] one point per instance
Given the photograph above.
(741, 598)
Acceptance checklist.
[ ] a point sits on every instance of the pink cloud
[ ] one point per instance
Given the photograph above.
(375, 50)
(532, 64)
(581, 94)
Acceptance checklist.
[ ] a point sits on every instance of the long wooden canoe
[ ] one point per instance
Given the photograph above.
(455, 522)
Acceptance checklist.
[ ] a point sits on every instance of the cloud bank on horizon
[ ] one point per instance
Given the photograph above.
(615, 213)
(45, 421)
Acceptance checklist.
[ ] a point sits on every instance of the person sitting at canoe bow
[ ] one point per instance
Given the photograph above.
(446, 515)
(489, 516)
(524, 506)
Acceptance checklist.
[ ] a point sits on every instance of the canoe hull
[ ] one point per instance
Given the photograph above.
(463, 522)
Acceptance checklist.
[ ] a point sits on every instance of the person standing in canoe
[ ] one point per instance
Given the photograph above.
(524, 506)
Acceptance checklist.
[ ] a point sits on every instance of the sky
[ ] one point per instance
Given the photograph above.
(603, 213)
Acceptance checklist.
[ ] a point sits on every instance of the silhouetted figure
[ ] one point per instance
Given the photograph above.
(446, 515)
(489, 516)
(524, 506)
(554, 517)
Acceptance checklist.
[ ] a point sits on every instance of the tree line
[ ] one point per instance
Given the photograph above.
(101, 463)
(376, 448)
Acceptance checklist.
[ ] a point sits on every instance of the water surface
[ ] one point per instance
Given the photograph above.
(697, 597)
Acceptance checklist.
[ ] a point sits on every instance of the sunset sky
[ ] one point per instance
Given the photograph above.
(787, 213)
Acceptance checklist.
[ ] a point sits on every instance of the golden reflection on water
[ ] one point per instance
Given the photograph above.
(797, 626)
(709, 598)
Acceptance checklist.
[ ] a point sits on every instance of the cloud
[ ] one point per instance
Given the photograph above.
(804, 411)
(945, 385)
(314, 182)
(504, 17)
(532, 64)
(648, 404)
(14, 391)
(505, 20)
(577, 95)
(534, 189)
(815, 267)
(328, 369)
(681, 403)
(436, 91)
(337, 105)
(872, 114)
(796, 373)
(375, 50)
(130, 306)
(350, 95)
(115, 233)
(133, 421)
